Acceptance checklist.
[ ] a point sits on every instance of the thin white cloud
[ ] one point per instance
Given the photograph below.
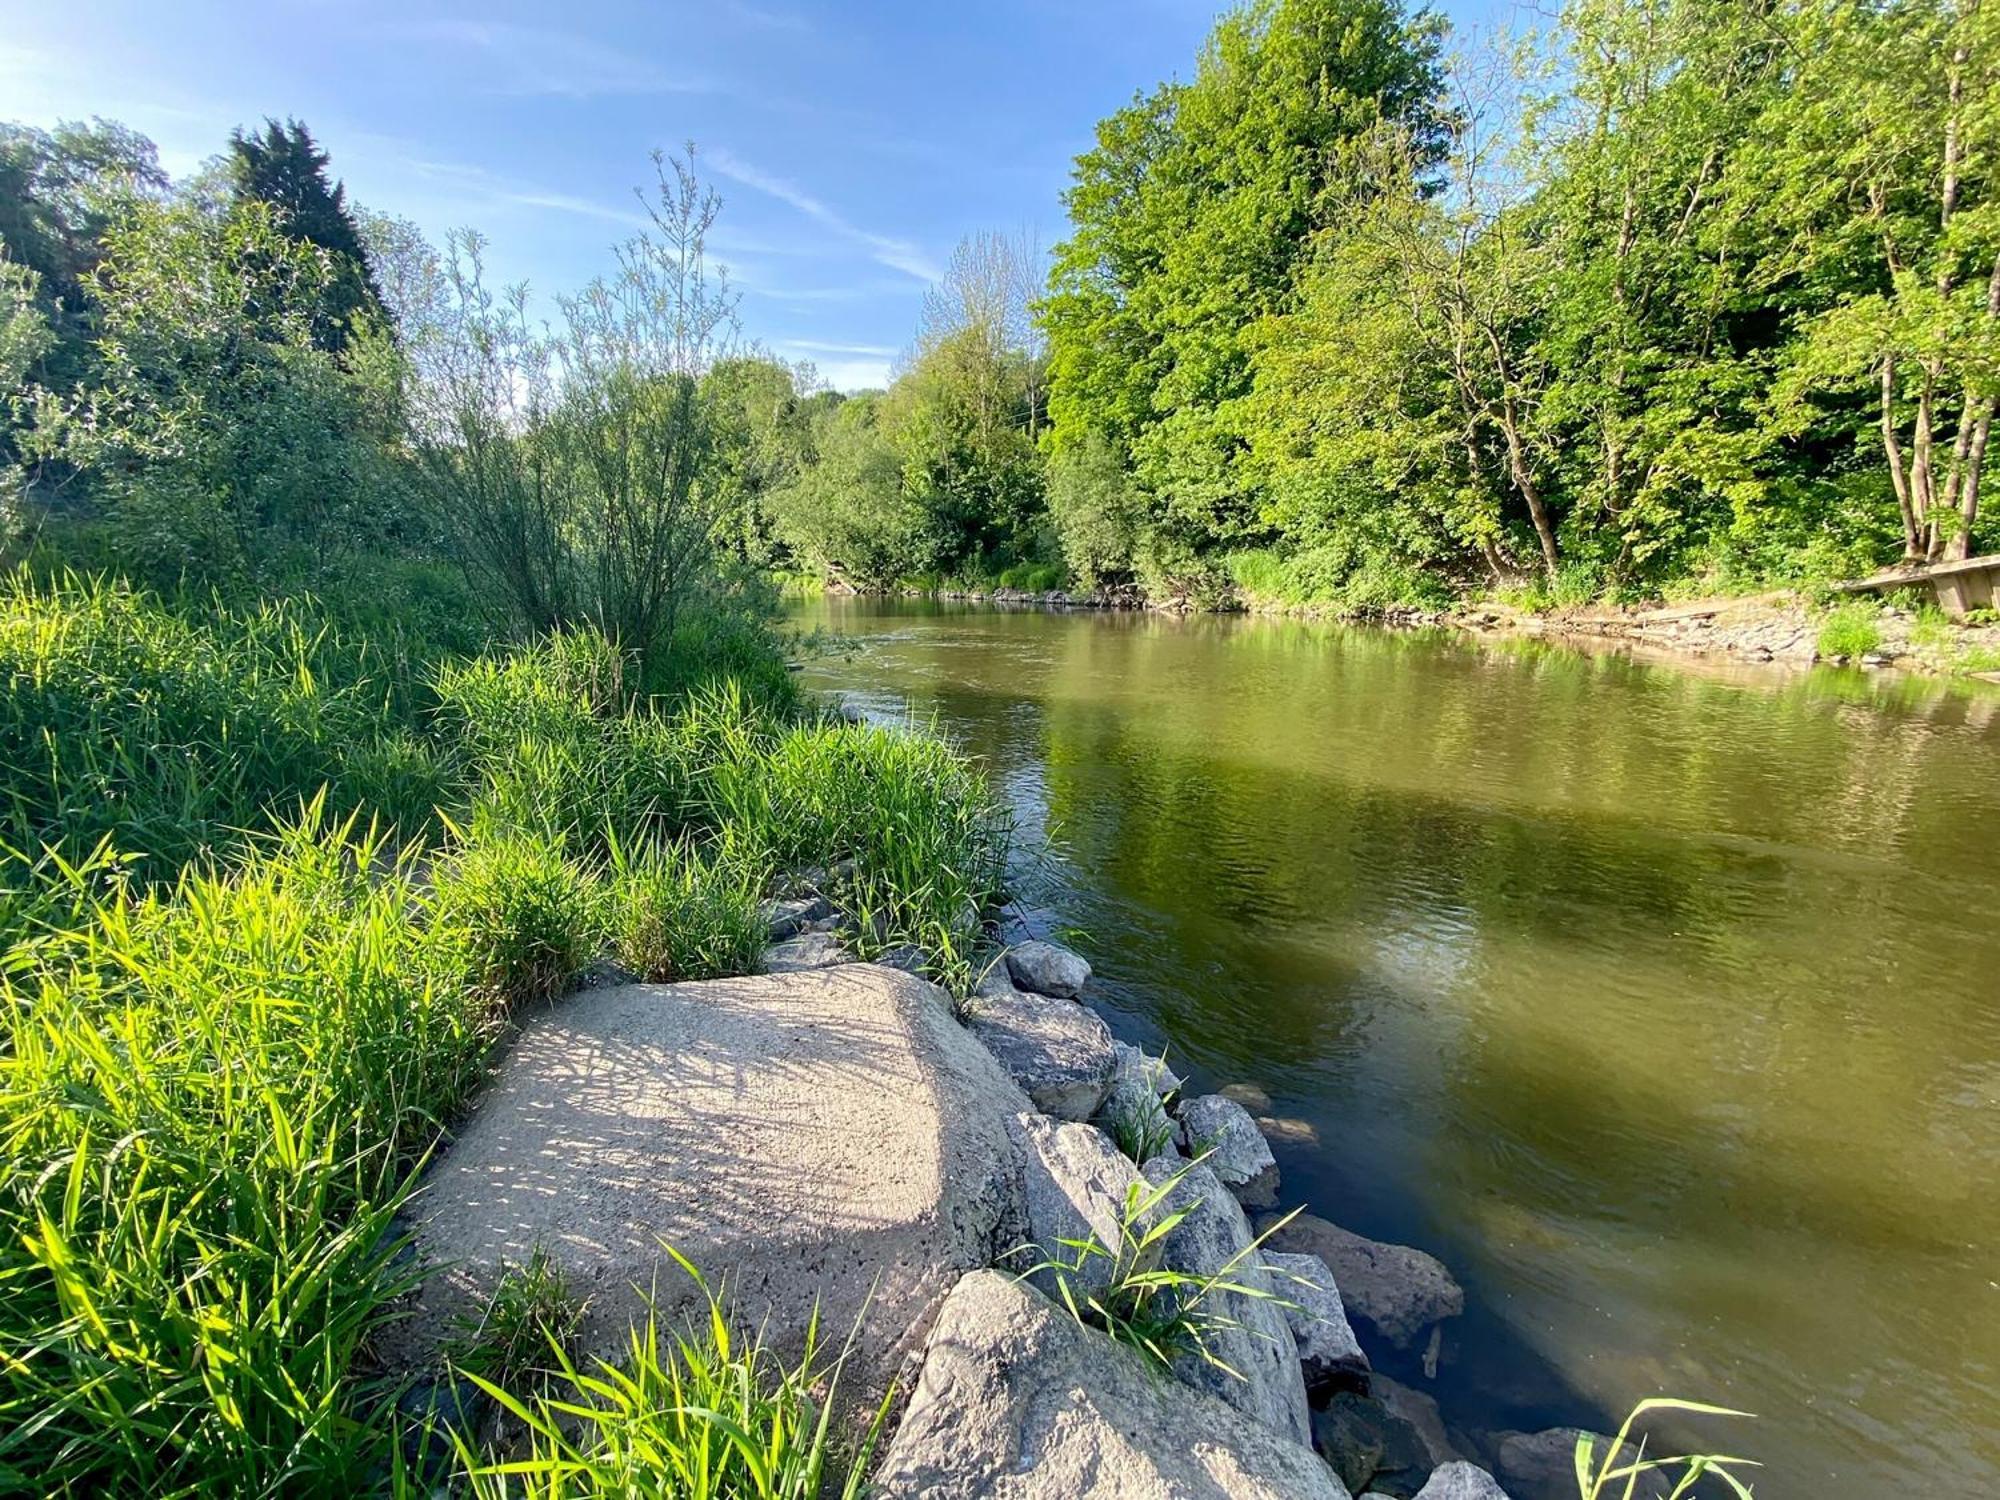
(821, 346)
(898, 254)
(535, 60)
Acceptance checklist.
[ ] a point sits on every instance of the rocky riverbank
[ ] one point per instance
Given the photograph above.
(838, 1141)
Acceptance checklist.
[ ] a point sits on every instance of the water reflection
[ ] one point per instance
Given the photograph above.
(1661, 1003)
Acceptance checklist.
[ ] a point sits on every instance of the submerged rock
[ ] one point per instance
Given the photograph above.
(818, 1143)
(1220, 1129)
(1047, 969)
(1395, 1291)
(1329, 1354)
(1542, 1465)
(1214, 1240)
(1370, 1447)
(811, 950)
(1056, 1050)
(1018, 1402)
(1074, 1187)
(1421, 1412)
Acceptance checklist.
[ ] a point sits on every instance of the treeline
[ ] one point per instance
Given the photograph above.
(1686, 293)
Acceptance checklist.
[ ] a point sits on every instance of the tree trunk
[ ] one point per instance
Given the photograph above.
(1913, 550)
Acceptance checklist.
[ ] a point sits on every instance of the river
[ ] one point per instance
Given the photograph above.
(1662, 1004)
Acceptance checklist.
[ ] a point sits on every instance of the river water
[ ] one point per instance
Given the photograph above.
(1662, 1004)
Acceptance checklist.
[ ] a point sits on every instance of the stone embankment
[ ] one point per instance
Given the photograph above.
(835, 1139)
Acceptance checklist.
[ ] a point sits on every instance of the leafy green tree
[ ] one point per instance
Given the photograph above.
(763, 415)
(217, 430)
(1096, 510)
(1872, 180)
(283, 166)
(1191, 219)
(60, 192)
(849, 513)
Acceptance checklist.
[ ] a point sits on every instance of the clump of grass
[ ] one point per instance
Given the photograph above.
(1849, 630)
(696, 1414)
(530, 1315)
(1615, 1476)
(177, 732)
(523, 918)
(1124, 1291)
(678, 915)
(213, 1100)
(926, 839)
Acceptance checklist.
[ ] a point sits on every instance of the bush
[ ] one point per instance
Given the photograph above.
(1850, 630)
(675, 915)
(521, 918)
(927, 841)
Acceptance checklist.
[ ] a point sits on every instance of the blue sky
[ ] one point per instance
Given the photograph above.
(853, 144)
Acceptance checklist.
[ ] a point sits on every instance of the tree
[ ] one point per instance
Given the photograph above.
(848, 512)
(60, 192)
(1191, 220)
(1096, 511)
(282, 166)
(216, 429)
(593, 498)
(1874, 174)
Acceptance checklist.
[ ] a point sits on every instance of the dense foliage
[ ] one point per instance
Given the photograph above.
(1679, 294)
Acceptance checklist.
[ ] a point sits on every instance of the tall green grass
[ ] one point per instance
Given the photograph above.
(268, 896)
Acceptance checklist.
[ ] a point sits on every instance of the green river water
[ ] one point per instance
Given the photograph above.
(1662, 1003)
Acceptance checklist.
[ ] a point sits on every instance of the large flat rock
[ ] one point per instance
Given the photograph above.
(829, 1136)
(1018, 1402)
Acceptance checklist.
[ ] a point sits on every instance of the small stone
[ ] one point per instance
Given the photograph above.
(1222, 1131)
(1075, 1187)
(1329, 1354)
(1248, 1095)
(1461, 1481)
(1251, 1337)
(1151, 1072)
(1542, 1465)
(1047, 969)
(813, 950)
(1058, 1052)
(789, 918)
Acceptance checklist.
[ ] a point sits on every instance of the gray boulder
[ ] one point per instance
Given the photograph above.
(1135, 1067)
(1135, 1119)
(1329, 1353)
(818, 1143)
(1542, 1465)
(1369, 1446)
(1018, 1402)
(1394, 1291)
(1463, 1481)
(1074, 1187)
(810, 950)
(1055, 1049)
(1235, 1148)
(1047, 969)
(789, 918)
(1214, 1240)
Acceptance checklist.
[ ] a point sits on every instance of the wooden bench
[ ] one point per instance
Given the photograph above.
(1957, 586)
